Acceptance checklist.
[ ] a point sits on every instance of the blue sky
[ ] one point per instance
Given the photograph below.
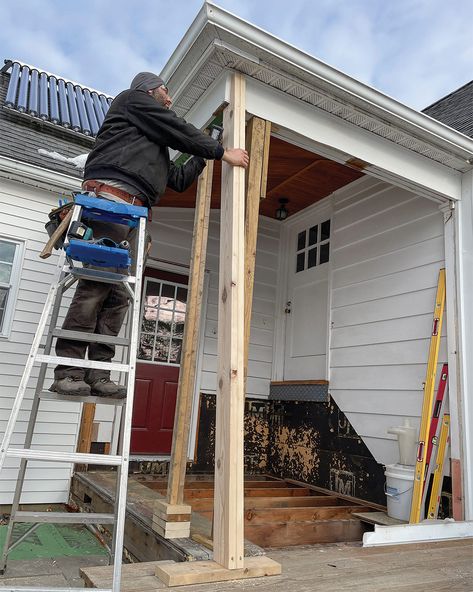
(413, 50)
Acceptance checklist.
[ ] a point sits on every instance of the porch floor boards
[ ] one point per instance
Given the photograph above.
(443, 566)
(277, 513)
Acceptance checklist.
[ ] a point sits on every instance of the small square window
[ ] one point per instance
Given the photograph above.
(312, 258)
(10, 273)
(324, 253)
(313, 235)
(325, 230)
(301, 240)
(300, 262)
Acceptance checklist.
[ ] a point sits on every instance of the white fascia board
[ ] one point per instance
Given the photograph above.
(424, 532)
(382, 156)
(37, 176)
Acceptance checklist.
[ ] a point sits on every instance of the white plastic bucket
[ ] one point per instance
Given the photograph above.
(399, 486)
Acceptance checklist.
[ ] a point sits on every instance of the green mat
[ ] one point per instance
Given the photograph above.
(50, 540)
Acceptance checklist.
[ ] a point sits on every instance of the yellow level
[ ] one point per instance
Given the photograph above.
(438, 473)
(429, 386)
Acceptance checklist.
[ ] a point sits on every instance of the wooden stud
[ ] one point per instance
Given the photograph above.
(258, 140)
(185, 390)
(85, 431)
(457, 496)
(228, 499)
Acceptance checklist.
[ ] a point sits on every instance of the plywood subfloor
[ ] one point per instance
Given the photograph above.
(428, 567)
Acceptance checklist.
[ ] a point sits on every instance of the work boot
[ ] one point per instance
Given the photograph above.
(70, 385)
(104, 387)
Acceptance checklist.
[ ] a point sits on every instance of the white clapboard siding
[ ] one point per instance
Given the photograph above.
(172, 240)
(387, 249)
(23, 212)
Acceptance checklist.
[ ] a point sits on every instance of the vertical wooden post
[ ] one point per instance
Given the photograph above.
(185, 391)
(228, 496)
(165, 512)
(84, 440)
(257, 143)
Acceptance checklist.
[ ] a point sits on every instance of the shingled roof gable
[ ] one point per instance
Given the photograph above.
(455, 110)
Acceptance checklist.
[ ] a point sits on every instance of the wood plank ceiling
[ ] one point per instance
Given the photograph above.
(296, 174)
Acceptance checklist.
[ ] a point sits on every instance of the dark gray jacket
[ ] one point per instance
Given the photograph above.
(132, 147)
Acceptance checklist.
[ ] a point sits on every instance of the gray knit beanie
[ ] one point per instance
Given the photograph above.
(146, 81)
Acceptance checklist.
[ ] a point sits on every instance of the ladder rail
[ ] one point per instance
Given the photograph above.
(67, 276)
(122, 477)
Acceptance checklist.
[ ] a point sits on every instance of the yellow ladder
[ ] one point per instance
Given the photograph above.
(438, 473)
(429, 386)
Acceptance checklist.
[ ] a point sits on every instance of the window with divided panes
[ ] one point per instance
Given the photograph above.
(9, 275)
(313, 246)
(162, 322)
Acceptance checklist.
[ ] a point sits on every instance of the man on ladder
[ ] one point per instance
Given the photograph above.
(129, 163)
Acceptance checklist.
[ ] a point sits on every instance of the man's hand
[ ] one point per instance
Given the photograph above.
(236, 157)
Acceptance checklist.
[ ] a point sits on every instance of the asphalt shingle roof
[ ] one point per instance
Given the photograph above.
(455, 110)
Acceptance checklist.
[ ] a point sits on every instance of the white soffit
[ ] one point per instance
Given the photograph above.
(218, 41)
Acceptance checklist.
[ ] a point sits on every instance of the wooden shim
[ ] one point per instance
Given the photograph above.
(202, 572)
(457, 495)
(258, 140)
(186, 384)
(229, 468)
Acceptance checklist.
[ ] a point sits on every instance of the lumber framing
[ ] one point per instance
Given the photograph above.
(257, 144)
(84, 440)
(177, 469)
(229, 490)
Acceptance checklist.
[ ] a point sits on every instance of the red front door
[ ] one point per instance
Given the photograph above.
(159, 354)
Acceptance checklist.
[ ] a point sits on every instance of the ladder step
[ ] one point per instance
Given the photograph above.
(64, 517)
(107, 277)
(77, 363)
(49, 396)
(71, 457)
(89, 337)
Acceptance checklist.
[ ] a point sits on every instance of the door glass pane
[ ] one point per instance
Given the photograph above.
(313, 235)
(164, 328)
(324, 253)
(7, 252)
(312, 258)
(181, 298)
(301, 240)
(168, 295)
(152, 293)
(161, 349)
(179, 324)
(176, 348)
(300, 262)
(145, 349)
(325, 230)
(148, 324)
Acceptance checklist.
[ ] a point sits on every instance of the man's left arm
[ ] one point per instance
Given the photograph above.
(182, 177)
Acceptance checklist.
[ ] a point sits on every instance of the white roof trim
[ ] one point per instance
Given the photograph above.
(341, 85)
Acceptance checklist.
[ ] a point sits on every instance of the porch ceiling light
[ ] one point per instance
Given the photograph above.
(281, 212)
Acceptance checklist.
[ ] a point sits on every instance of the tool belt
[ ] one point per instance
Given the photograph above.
(97, 187)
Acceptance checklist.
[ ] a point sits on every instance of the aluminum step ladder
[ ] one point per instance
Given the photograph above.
(85, 207)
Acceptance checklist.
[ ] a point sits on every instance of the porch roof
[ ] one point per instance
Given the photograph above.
(218, 41)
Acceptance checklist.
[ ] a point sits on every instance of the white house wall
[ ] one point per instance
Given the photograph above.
(172, 239)
(23, 212)
(387, 249)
